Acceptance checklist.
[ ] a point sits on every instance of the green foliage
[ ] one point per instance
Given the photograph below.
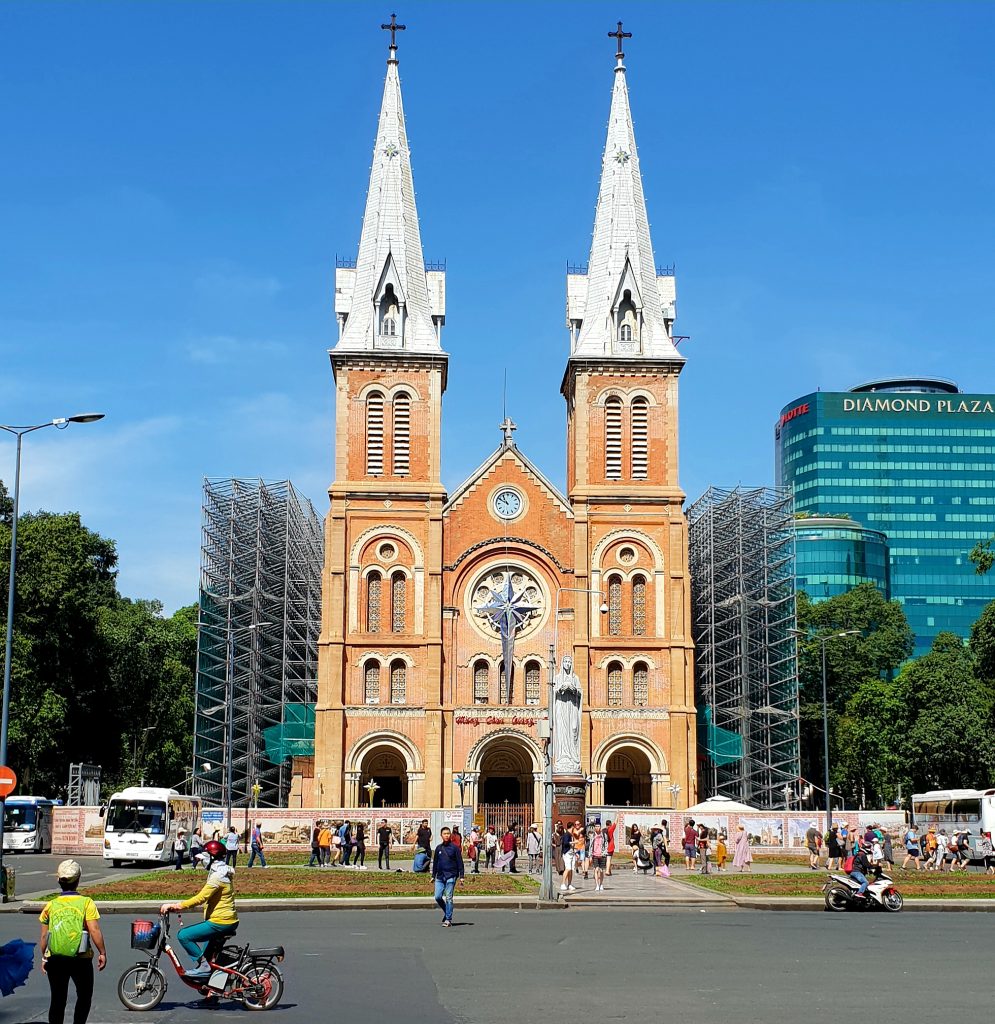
(983, 556)
(983, 646)
(90, 669)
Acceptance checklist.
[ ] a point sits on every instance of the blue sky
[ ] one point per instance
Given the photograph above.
(178, 178)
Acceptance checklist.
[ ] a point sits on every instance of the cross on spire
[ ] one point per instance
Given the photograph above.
(394, 28)
(619, 35)
(508, 428)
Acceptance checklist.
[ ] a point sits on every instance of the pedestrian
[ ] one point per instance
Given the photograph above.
(256, 845)
(556, 846)
(359, 846)
(690, 844)
(180, 848)
(834, 849)
(423, 840)
(742, 854)
(509, 848)
(196, 848)
(533, 847)
(929, 848)
(913, 848)
(599, 856)
(721, 852)
(635, 836)
(962, 858)
(888, 850)
(813, 841)
(231, 846)
(610, 832)
(704, 844)
(447, 870)
(476, 842)
(335, 851)
(942, 842)
(345, 841)
(69, 930)
(325, 844)
(987, 854)
(490, 846)
(567, 851)
(384, 839)
(315, 846)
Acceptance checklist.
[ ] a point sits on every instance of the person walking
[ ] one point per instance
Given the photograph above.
(704, 844)
(196, 848)
(533, 847)
(567, 849)
(360, 858)
(929, 849)
(490, 847)
(447, 871)
(721, 852)
(180, 848)
(256, 845)
(599, 856)
(325, 844)
(610, 832)
(384, 839)
(69, 929)
(813, 842)
(941, 848)
(834, 849)
(509, 847)
(315, 846)
(556, 848)
(690, 844)
(742, 855)
(231, 846)
(345, 841)
(913, 849)
(887, 850)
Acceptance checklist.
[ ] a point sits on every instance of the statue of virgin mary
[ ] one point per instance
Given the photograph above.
(566, 720)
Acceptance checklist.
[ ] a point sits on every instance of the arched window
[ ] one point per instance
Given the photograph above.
(639, 606)
(504, 690)
(481, 682)
(640, 438)
(627, 324)
(613, 438)
(398, 682)
(533, 676)
(640, 684)
(625, 332)
(390, 317)
(615, 606)
(398, 602)
(374, 434)
(371, 683)
(374, 595)
(614, 685)
(402, 433)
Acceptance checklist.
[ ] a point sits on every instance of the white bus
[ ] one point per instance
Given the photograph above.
(973, 809)
(141, 822)
(27, 824)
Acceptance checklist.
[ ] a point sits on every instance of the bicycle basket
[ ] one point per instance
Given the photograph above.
(145, 934)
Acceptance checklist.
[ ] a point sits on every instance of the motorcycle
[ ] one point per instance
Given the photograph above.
(881, 894)
(249, 976)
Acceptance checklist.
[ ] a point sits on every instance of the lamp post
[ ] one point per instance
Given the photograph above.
(61, 423)
(134, 755)
(229, 701)
(546, 891)
(823, 640)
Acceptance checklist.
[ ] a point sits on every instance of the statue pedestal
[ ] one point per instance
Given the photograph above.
(569, 799)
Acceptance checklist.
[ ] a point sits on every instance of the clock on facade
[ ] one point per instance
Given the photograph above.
(507, 503)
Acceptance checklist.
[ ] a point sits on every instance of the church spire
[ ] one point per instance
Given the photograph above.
(387, 300)
(619, 305)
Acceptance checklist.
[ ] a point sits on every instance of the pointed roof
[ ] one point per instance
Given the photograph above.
(621, 247)
(390, 244)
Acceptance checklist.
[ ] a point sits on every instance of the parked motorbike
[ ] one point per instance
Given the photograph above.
(881, 894)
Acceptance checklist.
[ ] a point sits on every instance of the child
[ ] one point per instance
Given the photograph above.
(721, 852)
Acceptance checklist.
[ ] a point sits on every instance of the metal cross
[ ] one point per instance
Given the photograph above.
(508, 612)
(617, 34)
(394, 27)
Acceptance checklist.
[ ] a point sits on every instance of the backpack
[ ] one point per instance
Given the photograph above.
(848, 864)
(67, 934)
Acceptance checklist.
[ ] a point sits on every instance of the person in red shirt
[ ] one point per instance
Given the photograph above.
(509, 845)
(610, 831)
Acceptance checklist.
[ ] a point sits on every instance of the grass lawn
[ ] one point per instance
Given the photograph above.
(400, 855)
(910, 884)
(275, 884)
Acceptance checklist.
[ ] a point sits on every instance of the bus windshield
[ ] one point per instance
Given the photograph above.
(147, 816)
(19, 818)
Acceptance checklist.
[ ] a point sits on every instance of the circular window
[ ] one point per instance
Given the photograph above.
(387, 552)
(506, 593)
(627, 556)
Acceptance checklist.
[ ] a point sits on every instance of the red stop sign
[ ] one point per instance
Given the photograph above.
(8, 781)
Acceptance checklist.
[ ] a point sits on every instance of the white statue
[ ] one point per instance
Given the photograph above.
(566, 719)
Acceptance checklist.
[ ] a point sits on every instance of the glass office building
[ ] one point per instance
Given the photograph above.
(915, 460)
(833, 555)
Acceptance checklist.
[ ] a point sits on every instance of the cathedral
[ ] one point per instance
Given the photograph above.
(443, 614)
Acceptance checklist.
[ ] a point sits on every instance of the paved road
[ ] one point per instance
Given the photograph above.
(605, 965)
(35, 872)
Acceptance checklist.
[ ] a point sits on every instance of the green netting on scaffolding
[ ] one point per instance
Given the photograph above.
(723, 746)
(294, 737)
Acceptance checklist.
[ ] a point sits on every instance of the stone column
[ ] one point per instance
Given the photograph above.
(416, 788)
(598, 789)
(352, 780)
(472, 785)
(538, 795)
(659, 791)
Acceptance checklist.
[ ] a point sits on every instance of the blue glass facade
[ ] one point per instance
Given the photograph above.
(833, 555)
(916, 461)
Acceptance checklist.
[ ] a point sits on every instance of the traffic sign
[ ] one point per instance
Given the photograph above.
(8, 781)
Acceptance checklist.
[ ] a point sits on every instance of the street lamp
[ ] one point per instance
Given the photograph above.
(823, 640)
(60, 424)
(229, 700)
(546, 892)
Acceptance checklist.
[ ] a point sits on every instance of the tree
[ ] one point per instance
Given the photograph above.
(982, 645)
(983, 556)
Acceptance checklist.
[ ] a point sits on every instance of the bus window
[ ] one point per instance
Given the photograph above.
(136, 816)
(19, 818)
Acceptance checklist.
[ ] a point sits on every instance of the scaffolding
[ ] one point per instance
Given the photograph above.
(257, 650)
(84, 785)
(746, 666)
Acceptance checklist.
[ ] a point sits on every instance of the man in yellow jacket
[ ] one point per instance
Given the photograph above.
(218, 900)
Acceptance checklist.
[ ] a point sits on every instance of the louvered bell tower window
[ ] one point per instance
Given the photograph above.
(613, 439)
(640, 438)
(374, 434)
(402, 434)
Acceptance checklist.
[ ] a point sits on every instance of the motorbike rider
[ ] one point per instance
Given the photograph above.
(218, 900)
(860, 867)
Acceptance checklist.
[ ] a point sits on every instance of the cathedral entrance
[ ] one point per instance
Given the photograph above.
(628, 781)
(386, 767)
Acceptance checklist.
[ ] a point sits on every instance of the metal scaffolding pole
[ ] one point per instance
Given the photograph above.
(261, 558)
(746, 666)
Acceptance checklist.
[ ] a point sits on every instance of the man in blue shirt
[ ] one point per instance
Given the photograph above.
(447, 870)
(345, 835)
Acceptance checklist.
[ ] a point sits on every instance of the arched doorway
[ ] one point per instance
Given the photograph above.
(628, 782)
(386, 767)
(506, 769)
